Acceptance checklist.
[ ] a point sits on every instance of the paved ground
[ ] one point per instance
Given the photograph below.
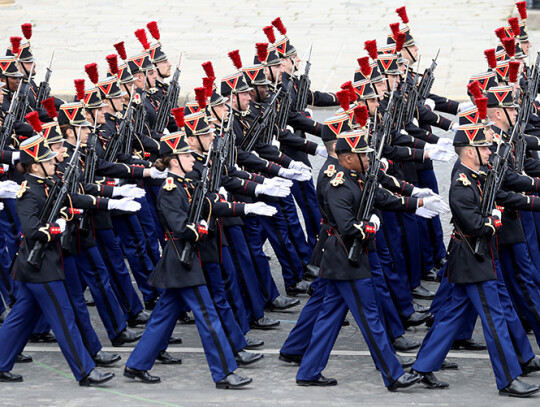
(83, 31)
(48, 381)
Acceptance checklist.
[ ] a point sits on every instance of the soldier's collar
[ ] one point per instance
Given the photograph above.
(36, 178)
(110, 117)
(473, 173)
(179, 178)
(198, 157)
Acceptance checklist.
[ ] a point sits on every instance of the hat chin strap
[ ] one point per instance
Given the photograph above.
(180, 163)
(508, 117)
(479, 157)
(411, 55)
(361, 163)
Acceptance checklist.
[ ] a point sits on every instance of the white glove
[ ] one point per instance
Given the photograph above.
(425, 213)
(273, 190)
(5, 167)
(415, 121)
(15, 156)
(278, 181)
(465, 106)
(496, 213)
(129, 191)
(422, 192)
(404, 132)
(430, 103)
(438, 153)
(61, 222)
(223, 192)
(445, 143)
(436, 204)
(1, 206)
(259, 208)
(376, 221)
(298, 165)
(8, 189)
(321, 150)
(454, 127)
(124, 204)
(157, 174)
(203, 223)
(384, 164)
(293, 174)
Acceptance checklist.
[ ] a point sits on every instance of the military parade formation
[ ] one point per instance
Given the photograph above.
(161, 212)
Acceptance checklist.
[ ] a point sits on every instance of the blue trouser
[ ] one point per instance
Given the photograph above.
(529, 221)
(252, 231)
(146, 219)
(113, 257)
(251, 287)
(357, 296)
(518, 272)
(52, 300)
(288, 211)
(411, 246)
(483, 299)
(6, 288)
(133, 242)
(218, 353)
(298, 340)
(306, 198)
(152, 192)
(216, 287)
(396, 276)
(232, 290)
(388, 314)
(276, 231)
(10, 226)
(78, 303)
(433, 249)
(95, 275)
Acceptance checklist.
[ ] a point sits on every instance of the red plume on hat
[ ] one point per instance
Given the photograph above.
(235, 58)
(400, 40)
(365, 67)
(269, 31)
(491, 59)
(371, 48)
(349, 88)
(33, 119)
(279, 26)
(200, 96)
(343, 98)
(513, 71)
(49, 106)
(514, 25)
(121, 49)
(500, 33)
(141, 36)
(522, 9)
(92, 72)
(395, 29)
(361, 114)
(262, 51)
(112, 60)
(208, 69)
(481, 104)
(27, 30)
(178, 114)
(154, 30)
(402, 13)
(509, 45)
(474, 89)
(208, 83)
(15, 45)
(79, 88)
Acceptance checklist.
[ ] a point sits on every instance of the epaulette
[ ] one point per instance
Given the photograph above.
(169, 184)
(119, 115)
(330, 170)
(464, 180)
(482, 173)
(22, 189)
(338, 179)
(152, 90)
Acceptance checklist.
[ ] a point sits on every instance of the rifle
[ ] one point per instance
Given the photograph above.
(51, 209)
(195, 211)
(44, 89)
(424, 88)
(21, 106)
(284, 104)
(365, 208)
(139, 118)
(526, 108)
(400, 103)
(90, 163)
(123, 133)
(304, 83)
(169, 102)
(229, 138)
(260, 124)
(9, 120)
(494, 179)
(412, 100)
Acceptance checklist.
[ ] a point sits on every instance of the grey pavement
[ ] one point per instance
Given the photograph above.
(83, 31)
(48, 381)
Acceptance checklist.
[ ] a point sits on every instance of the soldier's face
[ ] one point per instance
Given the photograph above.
(13, 83)
(412, 50)
(273, 72)
(363, 162)
(525, 46)
(372, 105)
(380, 87)
(151, 78)
(485, 152)
(27, 67)
(48, 166)
(512, 113)
(60, 149)
(164, 68)
(118, 104)
(244, 99)
(186, 160)
(261, 91)
(206, 140)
